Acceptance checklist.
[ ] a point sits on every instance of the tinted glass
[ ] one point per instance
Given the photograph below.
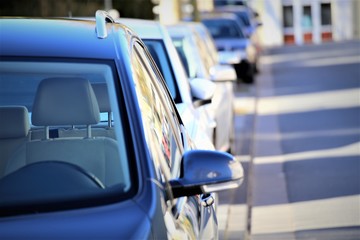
(245, 18)
(307, 18)
(325, 14)
(66, 138)
(288, 16)
(185, 51)
(159, 117)
(223, 28)
(161, 58)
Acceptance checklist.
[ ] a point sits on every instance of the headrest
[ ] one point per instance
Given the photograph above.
(65, 101)
(102, 96)
(14, 122)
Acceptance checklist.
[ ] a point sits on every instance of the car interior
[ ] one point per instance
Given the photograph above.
(61, 141)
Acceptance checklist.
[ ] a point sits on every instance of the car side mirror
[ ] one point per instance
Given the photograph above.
(205, 171)
(202, 90)
(221, 73)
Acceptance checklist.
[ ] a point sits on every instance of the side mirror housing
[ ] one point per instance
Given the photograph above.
(202, 90)
(206, 171)
(221, 73)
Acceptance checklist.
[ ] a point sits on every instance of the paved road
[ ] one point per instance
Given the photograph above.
(298, 136)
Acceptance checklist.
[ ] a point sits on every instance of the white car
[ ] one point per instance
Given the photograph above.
(192, 98)
(199, 63)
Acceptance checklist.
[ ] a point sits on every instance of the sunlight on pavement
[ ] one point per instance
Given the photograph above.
(331, 61)
(345, 151)
(310, 215)
(233, 225)
(244, 105)
(309, 102)
(222, 216)
(236, 222)
(305, 56)
(272, 219)
(243, 158)
(307, 134)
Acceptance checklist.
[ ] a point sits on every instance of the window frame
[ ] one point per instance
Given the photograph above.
(173, 168)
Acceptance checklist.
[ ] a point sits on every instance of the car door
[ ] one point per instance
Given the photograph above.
(185, 216)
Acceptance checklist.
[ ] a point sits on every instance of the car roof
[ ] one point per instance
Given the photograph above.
(215, 15)
(180, 29)
(150, 30)
(144, 28)
(233, 8)
(57, 38)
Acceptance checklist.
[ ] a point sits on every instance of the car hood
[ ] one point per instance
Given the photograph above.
(231, 43)
(125, 220)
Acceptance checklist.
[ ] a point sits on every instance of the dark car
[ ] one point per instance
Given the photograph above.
(91, 143)
(229, 37)
(247, 17)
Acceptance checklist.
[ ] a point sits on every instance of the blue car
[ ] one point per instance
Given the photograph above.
(91, 143)
(229, 37)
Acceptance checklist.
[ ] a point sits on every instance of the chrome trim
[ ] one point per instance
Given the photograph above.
(221, 186)
(88, 131)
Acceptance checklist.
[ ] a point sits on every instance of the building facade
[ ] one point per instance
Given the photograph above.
(307, 21)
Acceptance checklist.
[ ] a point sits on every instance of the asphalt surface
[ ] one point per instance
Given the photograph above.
(298, 138)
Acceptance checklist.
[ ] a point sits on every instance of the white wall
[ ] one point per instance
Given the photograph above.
(342, 11)
(342, 19)
(270, 12)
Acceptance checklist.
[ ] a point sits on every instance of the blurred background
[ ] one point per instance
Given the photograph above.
(284, 22)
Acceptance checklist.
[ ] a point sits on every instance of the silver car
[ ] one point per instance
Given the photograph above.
(192, 98)
(198, 63)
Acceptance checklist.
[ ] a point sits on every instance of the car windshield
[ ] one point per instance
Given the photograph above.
(223, 28)
(161, 58)
(57, 150)
(244, 17)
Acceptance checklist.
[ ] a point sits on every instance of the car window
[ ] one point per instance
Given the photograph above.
(186, 54)
(63, 134)
(245, 18)
(203, 51)
(159, 117)
(161, 58)
(210, 44)
(223, 28)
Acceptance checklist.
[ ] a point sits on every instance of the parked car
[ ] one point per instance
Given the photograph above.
(229, 37)
(247, 17)
(67, 171)
(192, 98)
(249, 20)
(229, 2)
(198, 63)
(223, 57)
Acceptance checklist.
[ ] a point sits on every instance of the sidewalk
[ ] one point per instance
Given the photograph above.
(264, 184)
(233, 212)
(302, 182)
(271, 213)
